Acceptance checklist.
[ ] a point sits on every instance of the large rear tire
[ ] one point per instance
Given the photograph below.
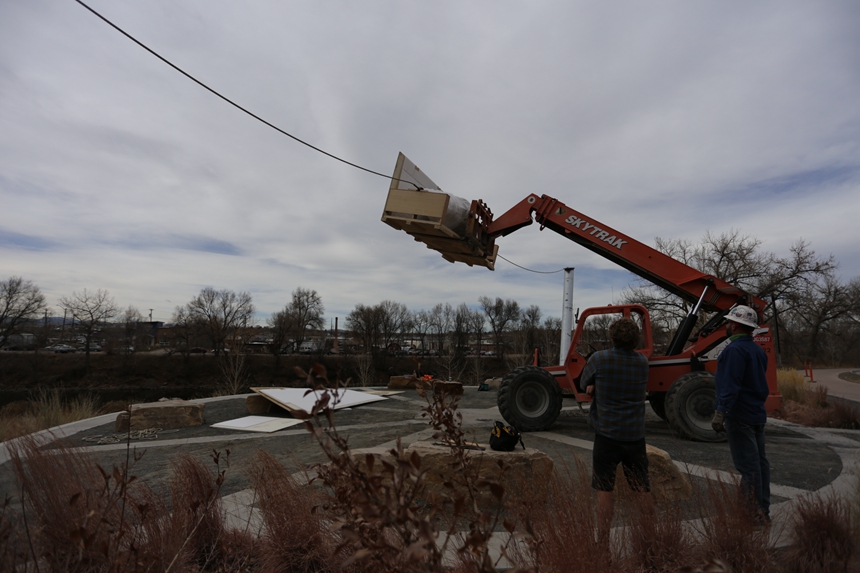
(690, 407)
(529, 399)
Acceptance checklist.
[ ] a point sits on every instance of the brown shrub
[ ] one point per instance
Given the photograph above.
(821, 536)
(656, 537)
(296, 537)
(78, 517)
(728, 531)
(561, 533)
(195, 498)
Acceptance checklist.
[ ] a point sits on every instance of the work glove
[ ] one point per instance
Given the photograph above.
(717, 422)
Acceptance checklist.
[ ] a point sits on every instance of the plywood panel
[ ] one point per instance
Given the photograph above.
(265, 424)
(295, 398)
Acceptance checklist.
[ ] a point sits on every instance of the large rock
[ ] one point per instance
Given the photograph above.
(667, 481)
(402, 382)
(165, 415)
(493, 383)
(525, 467)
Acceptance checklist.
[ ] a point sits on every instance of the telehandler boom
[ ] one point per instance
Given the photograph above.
(681, 379)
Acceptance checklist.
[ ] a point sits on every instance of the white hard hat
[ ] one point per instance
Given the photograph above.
(743, 315)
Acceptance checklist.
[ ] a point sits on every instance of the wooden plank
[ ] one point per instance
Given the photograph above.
(486, 261)
(418, 227)
(448, 245)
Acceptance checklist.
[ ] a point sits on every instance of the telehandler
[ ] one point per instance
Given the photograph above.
(681, 379)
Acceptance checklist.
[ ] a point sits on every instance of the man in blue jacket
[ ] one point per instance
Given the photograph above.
(741, 389)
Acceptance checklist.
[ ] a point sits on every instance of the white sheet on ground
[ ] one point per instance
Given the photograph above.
(258, 424)
(295, 398)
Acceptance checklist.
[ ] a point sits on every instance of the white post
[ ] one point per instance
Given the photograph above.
(566, 314)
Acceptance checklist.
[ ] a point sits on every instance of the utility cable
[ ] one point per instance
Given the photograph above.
(530, 270)
(234, 104)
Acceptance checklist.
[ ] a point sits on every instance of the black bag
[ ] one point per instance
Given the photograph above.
(505, 438)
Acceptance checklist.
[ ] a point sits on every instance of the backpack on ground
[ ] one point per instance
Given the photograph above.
(505, 438)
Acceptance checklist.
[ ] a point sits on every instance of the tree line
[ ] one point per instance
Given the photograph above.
(815, 315)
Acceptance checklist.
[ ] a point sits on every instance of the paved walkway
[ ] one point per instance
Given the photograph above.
(829, 378)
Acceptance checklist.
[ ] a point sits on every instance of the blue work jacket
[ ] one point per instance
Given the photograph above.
(741, 383)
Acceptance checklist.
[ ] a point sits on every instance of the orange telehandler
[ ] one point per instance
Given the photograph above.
(681, 379)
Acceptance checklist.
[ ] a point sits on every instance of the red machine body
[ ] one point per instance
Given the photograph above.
(680, 385)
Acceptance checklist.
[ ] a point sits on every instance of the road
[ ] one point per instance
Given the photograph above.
(829, 378)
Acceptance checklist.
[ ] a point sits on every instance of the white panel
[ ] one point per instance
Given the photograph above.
(295, 399)
(258, 424)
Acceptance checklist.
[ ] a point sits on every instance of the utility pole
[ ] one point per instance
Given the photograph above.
(566, 314)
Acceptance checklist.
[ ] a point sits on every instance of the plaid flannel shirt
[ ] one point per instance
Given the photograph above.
(620, 379)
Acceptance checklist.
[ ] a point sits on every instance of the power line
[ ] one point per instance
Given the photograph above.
(530, 270)
(234, 104)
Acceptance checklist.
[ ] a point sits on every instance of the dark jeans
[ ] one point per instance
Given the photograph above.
(747, 445)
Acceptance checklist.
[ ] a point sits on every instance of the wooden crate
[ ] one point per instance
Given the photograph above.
(422, 214)
(417, 212)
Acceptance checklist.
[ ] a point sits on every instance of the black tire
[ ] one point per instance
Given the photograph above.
(658, 404)
(529, 399)
(690, 407)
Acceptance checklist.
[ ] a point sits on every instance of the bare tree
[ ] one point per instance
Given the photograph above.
(185, 331)
(365, 322)
(394, 320)
(501, 314)
(421, 326)
(550, 340)
(308, 310)
(282, 323)
(20, 301)
(89, 310)
(441, 321)
(220, 314)
(735, 258)
(477, 325)
(131, 319)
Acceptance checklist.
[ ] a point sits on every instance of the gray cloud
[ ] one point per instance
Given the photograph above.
(656, 119)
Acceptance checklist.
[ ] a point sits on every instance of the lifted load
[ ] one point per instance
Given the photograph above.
(681, 380)
(441, 221)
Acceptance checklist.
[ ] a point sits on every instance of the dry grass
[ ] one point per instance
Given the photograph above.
(791, 384)
(296, 537)
(47, 410)
(821, 535)
(728, 531)
(75, 516)
(569, 514)
(809, 405)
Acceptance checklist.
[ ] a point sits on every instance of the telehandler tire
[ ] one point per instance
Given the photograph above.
(529, 399)
(690, 407)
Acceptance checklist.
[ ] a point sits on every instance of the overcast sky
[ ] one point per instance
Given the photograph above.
(656, 118)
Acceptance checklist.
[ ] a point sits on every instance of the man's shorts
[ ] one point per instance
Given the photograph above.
(608, 453)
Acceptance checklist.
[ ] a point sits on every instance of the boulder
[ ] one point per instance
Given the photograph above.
(667, 481)
(165, 415)
(446, 387)
(402, 382)
(493, 383)
(524, 467)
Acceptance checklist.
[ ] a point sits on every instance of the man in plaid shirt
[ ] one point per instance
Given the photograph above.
(616, 379)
